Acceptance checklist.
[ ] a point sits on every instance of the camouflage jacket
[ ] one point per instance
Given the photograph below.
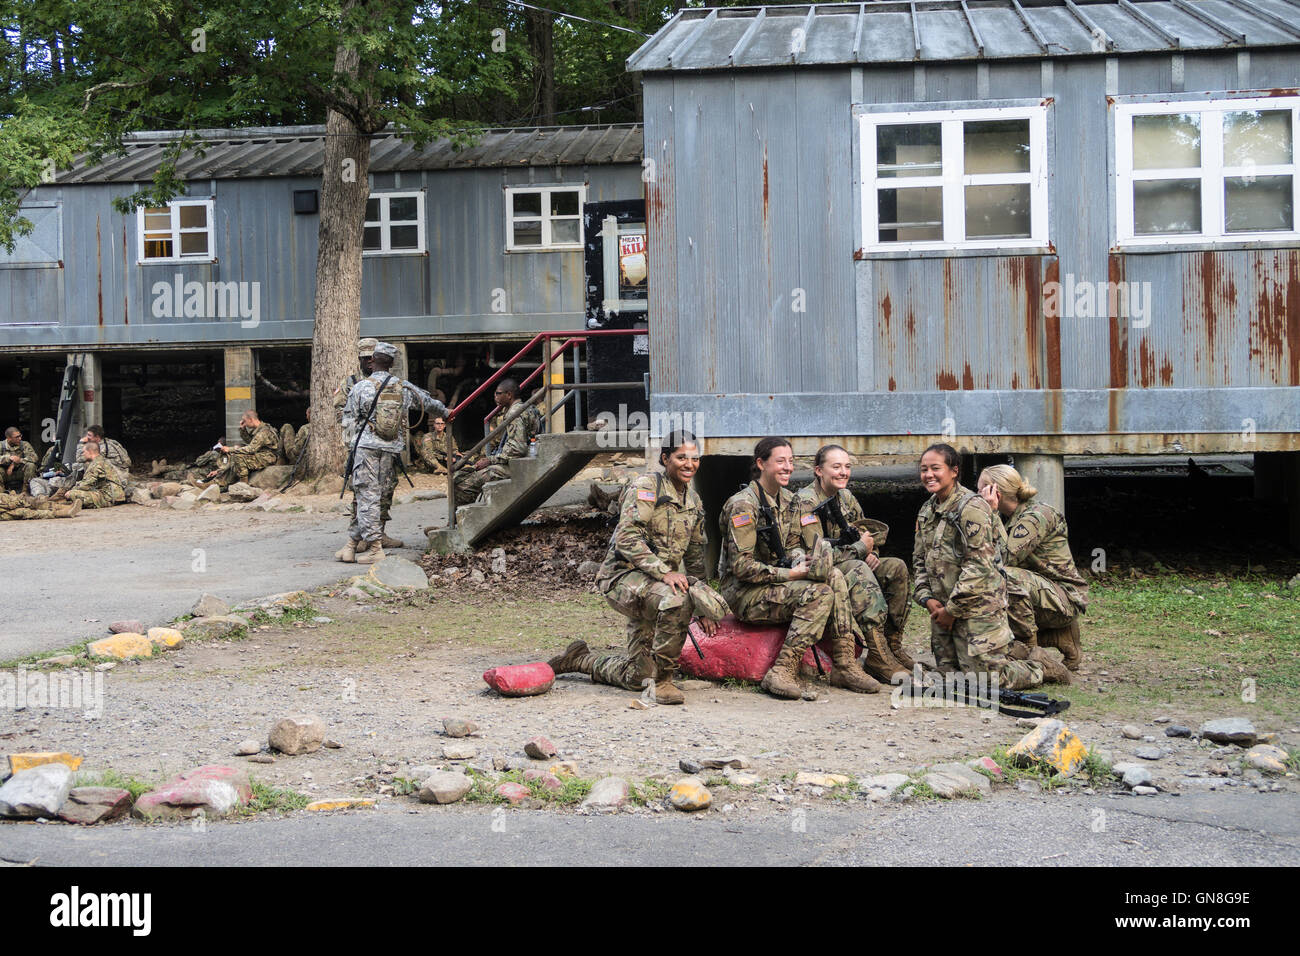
(432, 449)
(746, 558)
(112, 450)
(657, 529)
(813, 527)
(1037, 539)
(102, 476)
(362, 398)
(23, 450)
(263, 439)
(513, 442)
(956, 559)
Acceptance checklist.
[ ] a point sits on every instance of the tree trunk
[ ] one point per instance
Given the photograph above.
(543, 42)
(344, 190)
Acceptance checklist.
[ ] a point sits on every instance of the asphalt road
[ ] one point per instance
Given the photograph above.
(1209, 829)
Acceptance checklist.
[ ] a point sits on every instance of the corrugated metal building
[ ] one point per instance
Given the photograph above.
(468, 244)
(1042, 227)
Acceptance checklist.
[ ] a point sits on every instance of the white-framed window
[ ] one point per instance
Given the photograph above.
(179, 231)
(953, 179)
(1206, 170)
(394, 223)
(543, 218)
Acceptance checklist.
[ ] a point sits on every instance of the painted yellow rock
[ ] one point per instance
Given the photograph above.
(26, 761)
(565, 768)
(121, 645)
(809, 779)
(690, 795)
(1052, 743)
(165, 638)
(341, 804)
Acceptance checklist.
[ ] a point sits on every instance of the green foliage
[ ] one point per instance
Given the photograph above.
(113, 778)
(274, 798)
(646, 792)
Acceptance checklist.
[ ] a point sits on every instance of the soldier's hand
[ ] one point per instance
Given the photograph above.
(943, 618)
(934, 606)
(872, 560)
(992, 495)
(481, 464)
(799, 571)
(868, 540)
(677, 581)
(709, 625)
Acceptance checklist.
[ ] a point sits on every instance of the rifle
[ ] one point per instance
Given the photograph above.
(1021, 704)
(694, 642)
(347, 469)
(830, 509)
(769, 531)
(401, 467)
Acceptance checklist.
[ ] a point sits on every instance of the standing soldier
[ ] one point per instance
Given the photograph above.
(17, 461)
(513, 443)
(377, 410)
(767, 578)
(840, 520)
(365, 355)
(960, 582)
(662, 524)
(101, 486)
(1050, 593)
(260, 450)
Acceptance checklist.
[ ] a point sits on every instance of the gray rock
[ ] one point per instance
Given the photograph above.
(885, 783)
(397, 572)
(421, 772)
(210, 606)
(297, 734)
(1267, 758)
(1145, 791)
(213, 628)
(261, 758)
(718, 763)
(949, 780)
(211, 494)
(539, 748)
(89, 805)
(1137, 777)
(271, 477)
(609, 793)
(141, 496)
(241, 491)
(183, 502)
(477, 577)
(37, 792)
(126, 627)
(247, 748)
(1132, 731)
(459, 751)
(1230, 730)
(689, 766)
(1178, 730)
(1294, 583)
(499, 567)
(1149, 753)
(331, 744)
(444, 786)
(980, 781)
(456, 727)
(1029, 786)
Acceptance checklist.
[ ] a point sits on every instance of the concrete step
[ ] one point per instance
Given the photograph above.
(532, 481)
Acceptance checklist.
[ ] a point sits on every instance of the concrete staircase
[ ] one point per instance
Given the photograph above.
(532, 481)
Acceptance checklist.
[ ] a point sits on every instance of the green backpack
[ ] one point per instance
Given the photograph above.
(390, 414)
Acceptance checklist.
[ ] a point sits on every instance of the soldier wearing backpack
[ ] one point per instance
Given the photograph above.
(524, 424)
(376, 411)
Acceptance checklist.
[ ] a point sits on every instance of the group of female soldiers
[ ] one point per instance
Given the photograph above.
(1002, 599)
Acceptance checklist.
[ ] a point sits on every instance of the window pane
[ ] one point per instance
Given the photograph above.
(911, 215)
(404, 237)
(372, 210)
(999, 146)
(157, 248)
(194, 243)
(372, 239)
(1257, 137)
(1167, 205)
(528, 233)
(564, 230)
(1169, 141)
(403, 209)
(194, 217)
(997, 212)
(528, 204)
(1258, 203)
(564, 203)
(908, 151)
(158, 219)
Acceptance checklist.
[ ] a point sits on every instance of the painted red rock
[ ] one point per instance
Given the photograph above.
(516, 793)
(213, 789)
(742, 651)
(521, 680)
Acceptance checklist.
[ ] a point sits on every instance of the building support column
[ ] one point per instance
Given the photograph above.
(239, 388)
(553, 374)
(1047, 474)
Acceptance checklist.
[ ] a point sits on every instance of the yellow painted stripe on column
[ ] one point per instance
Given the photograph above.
(557, 378)
(236, 392)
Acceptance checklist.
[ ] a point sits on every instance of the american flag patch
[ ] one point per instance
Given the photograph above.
(646, 495)
(807, 519)
(740, 520)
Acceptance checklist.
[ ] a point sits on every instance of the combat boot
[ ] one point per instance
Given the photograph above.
(373, 554)
(881, 663)
(666, 692)
(1049, 658)
(894, 640)
(576, 659)
(66, 509)
(386, 541)
(348, 553)
(782, 680)
(1066, 640)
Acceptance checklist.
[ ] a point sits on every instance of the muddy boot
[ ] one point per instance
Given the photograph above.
(372, 555)
(881, 663)
(348, 553)
(66, 509)
(386, 541)
(845, 671)
(1019, 651)
(666, 692)
(576, 659)
(894, 641)
(1066, 640)
(1049, 658)
(783, 679)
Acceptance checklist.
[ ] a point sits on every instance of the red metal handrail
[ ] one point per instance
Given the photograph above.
(538, 371)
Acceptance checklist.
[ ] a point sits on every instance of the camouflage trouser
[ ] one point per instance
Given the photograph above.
(385, 497)
(470, 482)
(240, 466)
(14, 508)
(18, 477)
(44, 487)
(1034, 602)
(894, 580)
(807, 605)
(371, 474)
(92, 499)
(656, 630)
(289, 443)
(866, 599)
(979, 644)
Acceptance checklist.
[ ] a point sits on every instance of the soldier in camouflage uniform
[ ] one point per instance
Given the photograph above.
(1046, 593)
(110, 448)
(865, 572)
(101, 486)
(513, 443)
(293, 441)
(365, 353)
(17, 460)
(960, 581)
(661, 525)
(260, 450)
(811, 595)
(17, 507)
(431, 448)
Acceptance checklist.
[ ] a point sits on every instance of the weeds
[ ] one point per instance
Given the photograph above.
(112, 778)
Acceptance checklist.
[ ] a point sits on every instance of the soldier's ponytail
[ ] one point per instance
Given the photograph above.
(1009, 482)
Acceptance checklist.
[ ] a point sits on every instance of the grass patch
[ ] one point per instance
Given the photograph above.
(35, 659)
(1041, 772)
(291, 615)
(404, 787)
(274, 798)
(113, 778)
(736, 683)
(647, 792)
